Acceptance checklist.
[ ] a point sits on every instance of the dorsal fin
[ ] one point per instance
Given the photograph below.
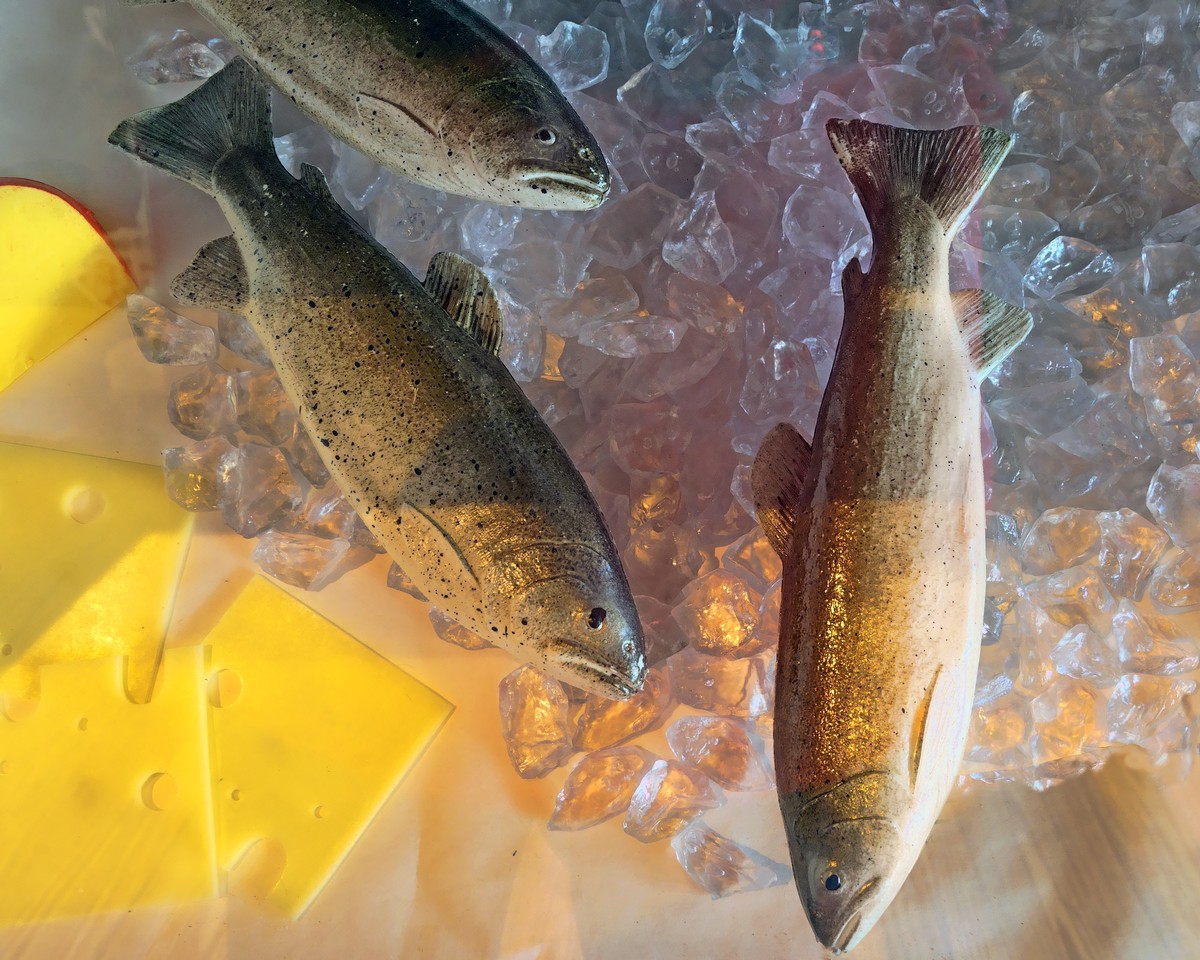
(314, 179)
(216, 278)
(463, 290)
(993, 328)
(777, 481)
(853, 280)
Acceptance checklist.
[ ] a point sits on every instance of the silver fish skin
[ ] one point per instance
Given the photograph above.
(424, 430)
(430, 89)
(880, 526)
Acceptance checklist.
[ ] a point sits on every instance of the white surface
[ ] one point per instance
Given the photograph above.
(459, 863)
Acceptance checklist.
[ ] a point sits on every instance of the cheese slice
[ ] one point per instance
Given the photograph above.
(58, 273)
(90, 560)
(105, 804)
(311, 732)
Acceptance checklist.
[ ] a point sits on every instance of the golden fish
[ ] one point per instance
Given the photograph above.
(880, 525)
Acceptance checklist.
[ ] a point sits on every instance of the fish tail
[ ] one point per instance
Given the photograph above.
(188, 138)
(947, 169)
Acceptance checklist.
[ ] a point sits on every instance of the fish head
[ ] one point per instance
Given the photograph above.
(848, 855)
(583, 628)
(529, 147)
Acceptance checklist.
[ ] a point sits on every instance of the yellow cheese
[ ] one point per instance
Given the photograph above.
(311, 732)
(105, 804)
(58, 274)
(90, 560)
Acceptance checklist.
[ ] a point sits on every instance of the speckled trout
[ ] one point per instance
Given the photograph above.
(416, 418)
(880, 525)
(428, 88)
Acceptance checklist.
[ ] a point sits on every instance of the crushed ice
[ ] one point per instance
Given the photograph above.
(663, 334)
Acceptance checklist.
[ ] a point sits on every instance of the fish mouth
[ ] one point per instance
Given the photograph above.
(586, 192)
(601, 678)
(839, 944)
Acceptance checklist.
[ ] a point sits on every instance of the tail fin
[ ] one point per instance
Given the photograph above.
(188, 138)
(948, 169)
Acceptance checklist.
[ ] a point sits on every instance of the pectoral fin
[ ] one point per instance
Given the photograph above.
(216, 278)
(916, 735)
(414, 133)
(993, 328)
(464, 292)
(853, 281)
(433, 560)
(777, 482)
(315, 180)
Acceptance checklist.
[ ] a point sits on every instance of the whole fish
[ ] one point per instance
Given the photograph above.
(880, 526)
(420, 424)
(430, 89)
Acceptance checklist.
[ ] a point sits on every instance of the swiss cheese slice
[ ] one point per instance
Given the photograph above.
(311, 732)
(90, 559)
(58, 273)
(105, 804)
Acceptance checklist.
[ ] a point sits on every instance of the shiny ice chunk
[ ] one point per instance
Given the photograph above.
(1067, 721)
(534, 722)
(600, 786)
(235, 332)
(1082, 655)
(603, 722)
(454, 632)
(668, 798)
(1141, 704)
(1185, 118)
(1173, 498)
(767, 60)
(732, 688)
(822, 222)
(257, 489)
(1059, 538)
(1018, 183)
(1130, 547)
(575, 55)
(164, 336)
(753, 558)
(263, 408)
(1164, 373)
(700, 244)
(595, 299)
(999, 730)
(723, 867)
(729, 752)
(1151, 643)
(1171, 274)
(194, 473)
(175, 59)
(1013, 232)
(201, 404)
(1175, 585)
(674, 29)
(633, 336)
(303, 560)
(1069, 265)
(670, 163)
(397, 579)
(705, 306)
(302, 455)
(718, 613)
(1077, 595)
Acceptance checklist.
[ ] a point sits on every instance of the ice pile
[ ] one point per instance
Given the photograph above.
(662, 335)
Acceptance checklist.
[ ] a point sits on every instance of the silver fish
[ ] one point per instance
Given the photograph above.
(880, 525)
(417, 420)
(430, 89)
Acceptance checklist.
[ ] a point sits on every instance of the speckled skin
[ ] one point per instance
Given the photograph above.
(883, 585)
(470, 110)
(426, 433)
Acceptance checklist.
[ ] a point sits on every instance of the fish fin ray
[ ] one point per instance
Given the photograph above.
(432, 552)
(947, 169)
(853, 281)
(916, 736)
(777, 483)
(188, 138)
(313, 178)
(414, 132)
(216, 278)
(464, 292)
(993, 328)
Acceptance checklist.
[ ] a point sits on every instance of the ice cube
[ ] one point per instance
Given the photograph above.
(769, 62)
(257, 489)
(668, 798)
(176, 58)
(822, 222)
(453, 632)
(1082, 655)
(164, 336)
(1013, 232)
(1141, 704)
(1059, 538)
(600, 786)
(1175, 586)
(722, 866)
(303, 456)
(235, 331)
(1171, 274)
(1130, 547)
(534, 722)
(718, 613)
(575, 55)
(999, 730)
(670, 163)
(1067, 721)
(700, 244)
(1173, 499)
(729, 752)
(1017, 184)
(1150, 643)
(674, 29)
(1077, 595)
(397, 579)
(1117, 220)
(303, 560)
(604, 723)
(194, 473)
(1068, 265)
(201, 404)
(732, 688)
(263, 408)
(753, 558)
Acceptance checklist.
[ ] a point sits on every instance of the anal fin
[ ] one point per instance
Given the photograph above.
(993, 328)
(216, 278)
(777, 482)
(463, 291)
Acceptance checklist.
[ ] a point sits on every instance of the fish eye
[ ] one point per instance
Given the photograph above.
(546, 135)
(597, 617)
(833, 882)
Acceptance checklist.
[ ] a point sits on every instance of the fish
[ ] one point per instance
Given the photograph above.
(879, 523)
(400, 388)
(430, 89)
